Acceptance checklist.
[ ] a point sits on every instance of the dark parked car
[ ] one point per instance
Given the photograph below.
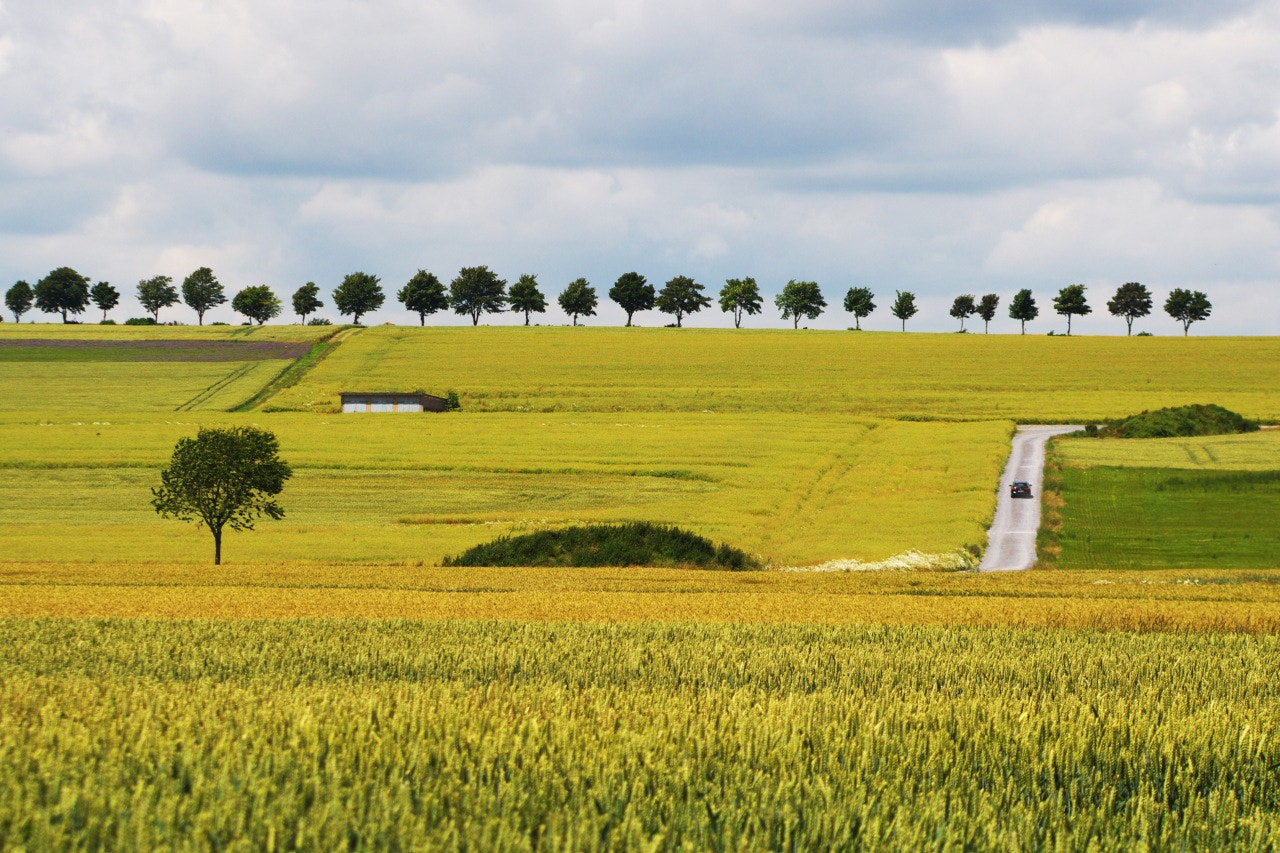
(1020, 490)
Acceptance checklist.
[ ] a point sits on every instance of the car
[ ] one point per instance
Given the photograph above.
(1020, 490)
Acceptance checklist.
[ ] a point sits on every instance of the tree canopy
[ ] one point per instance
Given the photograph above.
(680, 296)
(858, 302)
(579, 298)
(1187, 307)
(223, 477)
(19, 299)
(1023, 308)
(358, 294)
(1070, 302)
(201, 291)
(155, 293)
(904, 306)
(63, 291)
(423, 294)
(964, 307)
(475, 291)
(632, 293)
(740, 296)
(800, 299)
(104, 296)
(306, 300)
(1132, 300)
(987, 306)
(526, 298)
(257, 303)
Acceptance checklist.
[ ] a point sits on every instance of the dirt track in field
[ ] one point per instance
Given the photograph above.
(170, 350)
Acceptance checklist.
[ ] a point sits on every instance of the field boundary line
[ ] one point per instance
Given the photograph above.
(293, 372)
(209, 391)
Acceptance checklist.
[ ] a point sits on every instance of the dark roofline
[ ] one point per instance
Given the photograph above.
(410, 395)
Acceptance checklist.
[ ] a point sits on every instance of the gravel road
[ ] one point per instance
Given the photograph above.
(1011, 542)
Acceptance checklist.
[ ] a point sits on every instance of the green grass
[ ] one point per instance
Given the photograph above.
(1252, 451)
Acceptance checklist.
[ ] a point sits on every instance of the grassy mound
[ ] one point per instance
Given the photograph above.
(1181, 421)
(634, 544)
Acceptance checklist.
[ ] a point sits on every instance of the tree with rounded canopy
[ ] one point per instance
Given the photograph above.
(19, 299)
(526, 298)
(1023, 308)
(423, 294)
(632, 293)
(105, 297)
(306, 300)
(155, 293)
(1132, 300)
(1187, 307)
(63, 291)
(800, 299)
(579, 298)
(987, 306)
(223, 478)
(858, 302)
(740, 296)
(257, 303)
(1070, 302)
(201, 291)
(904, 306)
(477, 290)
(358, 294)
(680, 296)
(964, 307)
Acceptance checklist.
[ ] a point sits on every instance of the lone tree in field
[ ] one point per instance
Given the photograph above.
(1023, 308)
(682, 295)
(632, 293)
(1132, 300)
(858, 303)
(800, 299)
(1187, 307)
(155, 293)
(19, 299)
(306, 300)
(257, 303)
(63, 291)
(904, 306)
(964, 307)
(1070, 302)
(526, 298)
(740, 296)
(578, 298)
(423, 295)
(201, 291)
(223, 477)
(358, 294)
(987, 306)
(477, 290)
(104, 296)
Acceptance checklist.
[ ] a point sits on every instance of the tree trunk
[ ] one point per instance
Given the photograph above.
(1068, 325)
(857, 323)
(217, 547)
(199, 318)
(1129, 320)
(475, 318)
(422, 318)
(526, 318)
(628, 319)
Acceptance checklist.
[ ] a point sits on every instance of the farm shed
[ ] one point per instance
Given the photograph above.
(362, 401)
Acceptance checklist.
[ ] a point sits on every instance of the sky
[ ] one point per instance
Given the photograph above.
(933, 146)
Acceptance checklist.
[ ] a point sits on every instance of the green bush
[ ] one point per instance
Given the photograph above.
(106, 322)
(1177, 422)
(633, 544)
(319, 321)
(451, 401)
(140, 321)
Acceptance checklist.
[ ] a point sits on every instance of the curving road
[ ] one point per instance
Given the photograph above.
(1011, 541)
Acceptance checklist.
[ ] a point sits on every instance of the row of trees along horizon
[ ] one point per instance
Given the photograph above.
(477, 291)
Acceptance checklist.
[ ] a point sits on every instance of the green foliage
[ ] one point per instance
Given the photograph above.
(141, 321)
(680, 296)
(987, 310)
(358, 294)
(306, 301)
(223, 478)
(1023, 308)
(1070, 302)
(579, 298)
(19, 298)
(63, 291)
(800, 299)
(740, 296)
(105, 297)
(201, 291)
(1132, 300)
(423, 295)
(476, 291)
(1187, 307)
(526, 298)
(964, 307)
(157, 292)
(319, 321)
(858, 302)
(257, 303)
(632, 293)
(904, 306)
(1179, 421)
(451, 401)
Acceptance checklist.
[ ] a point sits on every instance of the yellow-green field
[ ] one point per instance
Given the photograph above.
(1254, 451)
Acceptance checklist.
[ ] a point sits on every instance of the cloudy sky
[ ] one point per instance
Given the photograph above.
(936, 146)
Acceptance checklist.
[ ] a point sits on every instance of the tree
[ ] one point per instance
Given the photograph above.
(18, 299)
(1132, 300)
(964, 307)
(800, 299)
(1023, 308)
(358, 294)
(477, 290)
(632, 293)
(904, 306)
(858, 303)
(526, 298)
(62, 291)
(223, 477)
(682, 295)
(155, 293)
(424, 294)
(306, 300)
(1187, 307)
(987, 306)
(257, 303)
(104, 296)
(1070, 302)
(740, 296)
(579, 298)
(201, 291)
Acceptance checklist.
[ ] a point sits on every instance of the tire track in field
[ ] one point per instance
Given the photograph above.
(207, 393)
